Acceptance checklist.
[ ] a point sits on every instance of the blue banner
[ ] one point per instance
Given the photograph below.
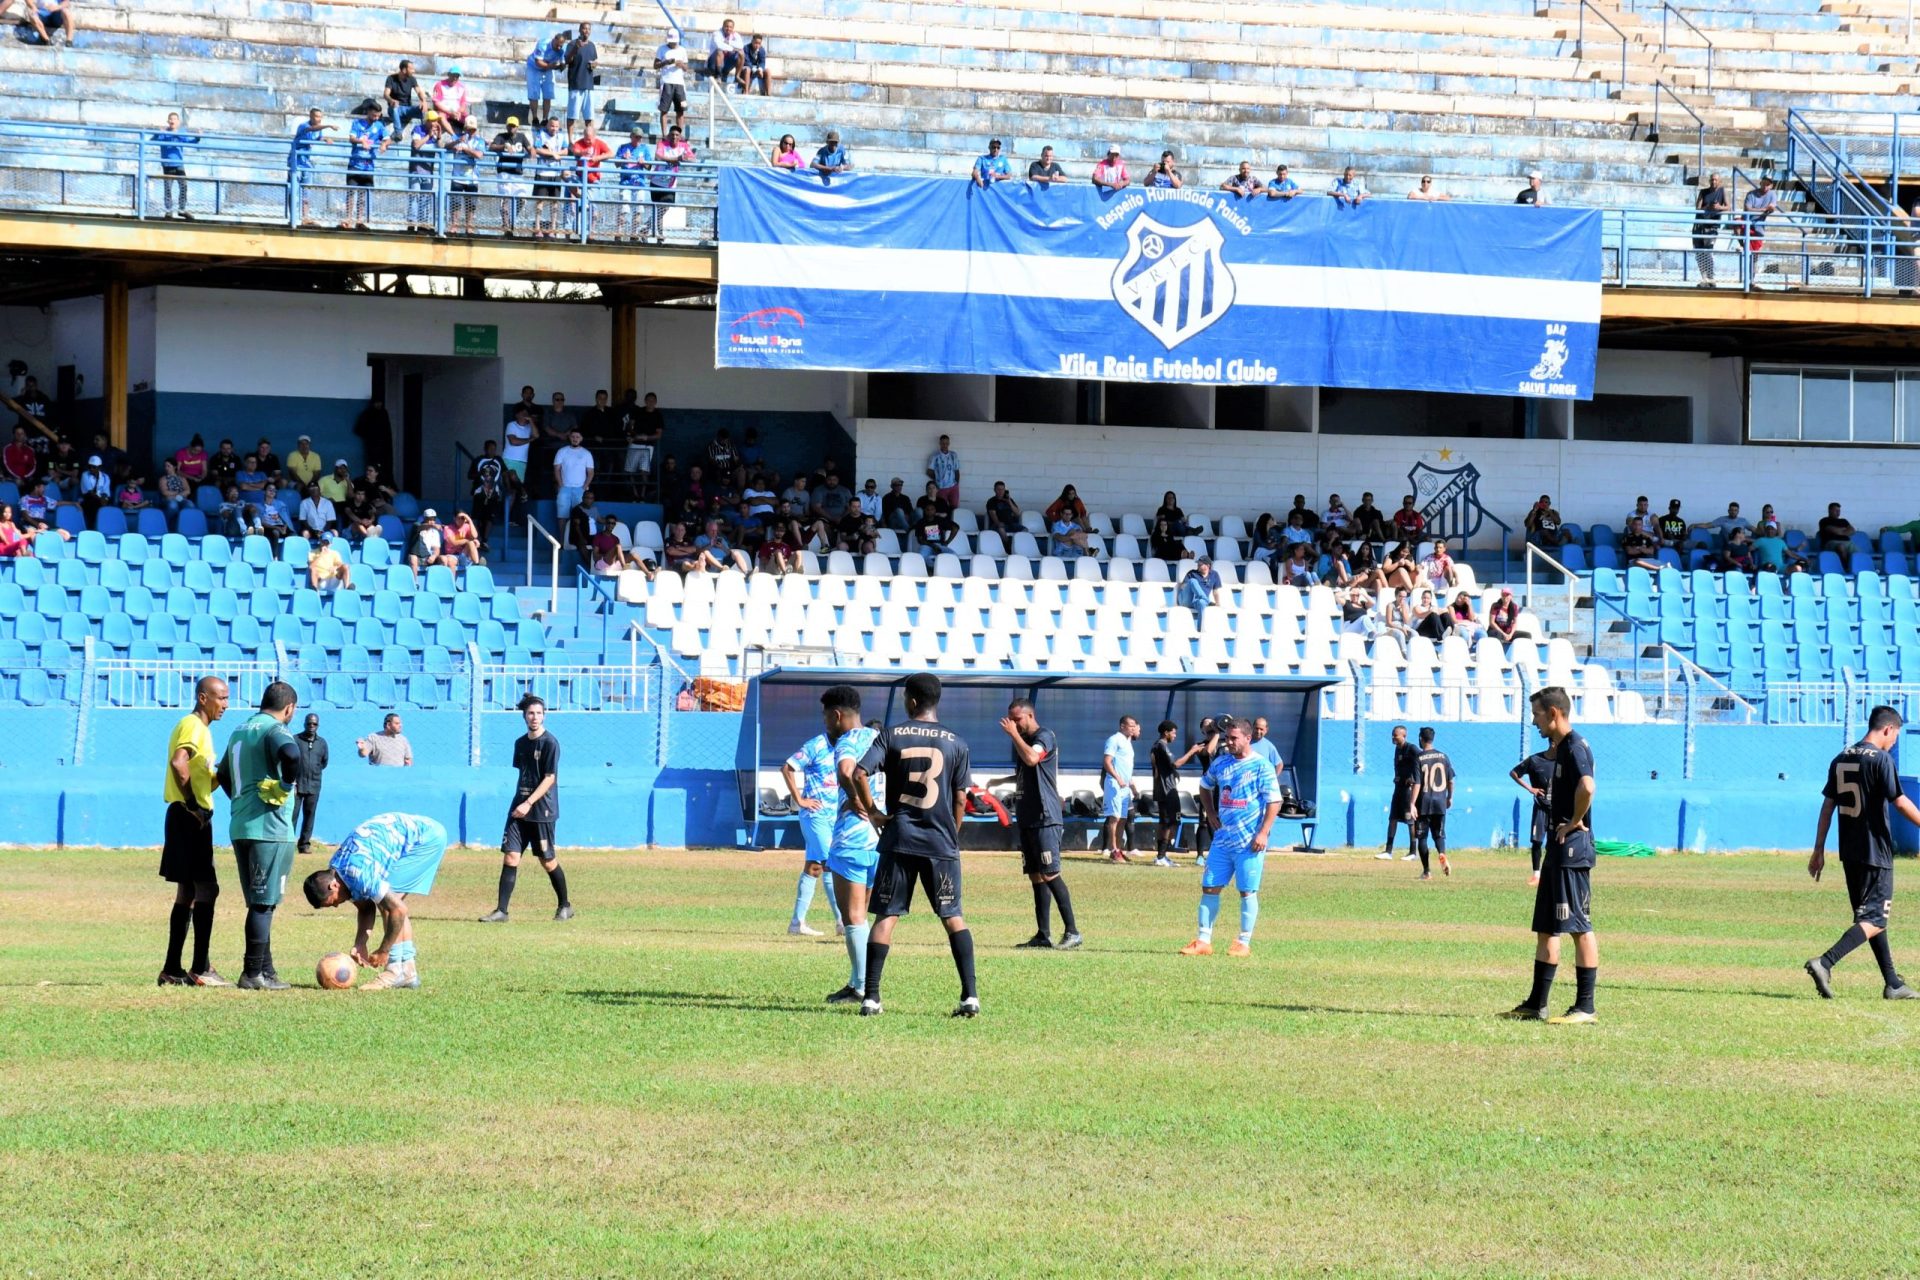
(937, 275)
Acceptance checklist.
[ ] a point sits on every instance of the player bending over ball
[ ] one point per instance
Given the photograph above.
(1239, 799)
(1564, 900)
(1861, 783)
(815, 788)
(386, 859)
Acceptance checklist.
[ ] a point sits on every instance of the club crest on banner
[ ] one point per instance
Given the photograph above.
(1449, 500)
(1172, 280)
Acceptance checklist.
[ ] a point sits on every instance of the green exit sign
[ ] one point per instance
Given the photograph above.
(476, 339)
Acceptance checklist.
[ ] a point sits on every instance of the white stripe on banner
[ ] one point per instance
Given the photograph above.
(886, 270)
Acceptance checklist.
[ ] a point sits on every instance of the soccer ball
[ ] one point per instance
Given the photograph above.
(337, 971)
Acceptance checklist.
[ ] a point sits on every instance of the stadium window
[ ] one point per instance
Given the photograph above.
(1833, 405)
(1655, 419)
(1354, 412)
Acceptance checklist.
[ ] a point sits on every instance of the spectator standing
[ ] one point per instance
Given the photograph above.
(1347, 191)
(173, 166)
(583, 56)
(670, 61)
(991, 167)
(572, 473)
(672, 152)
(547, 57)
(425, 141)
(943, 468)
(313, 767)
(1243, 184)
(1282, 187)
(754, 66)
(832, 158)
(1046, 170)
(389, 747)
(1116, 784)
(1110, 174)
(1534, 193)
(1710, 209)
(630, 162)
(406, 103)
(1165, 175)
(464, 154)
(452, 99)
(368, 140)
(513, 149)
(552, 159)
(300, 160)
(519, 444)
(1759, 204)
(488, 475)
(589, 149)
(644, 425)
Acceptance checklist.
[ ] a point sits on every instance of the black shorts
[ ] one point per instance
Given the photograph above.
(673, 97)
(173, 170)
(893, 879)
(1564, 900)
(1870, 891)
(1040, 850)
(546, 190)
(525, 835)
(186, 856)
(465, 188)
(1542, 826)
(1402, 797)
(1430, 824)
(359, 179)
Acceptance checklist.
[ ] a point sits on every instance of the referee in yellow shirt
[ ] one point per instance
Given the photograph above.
(186, 857)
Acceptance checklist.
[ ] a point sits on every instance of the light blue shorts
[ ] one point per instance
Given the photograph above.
(579, 104)
(1115, 802)
(414, 872)
(1242, 868)
(816, 829)
(856, 866)
(539, 86)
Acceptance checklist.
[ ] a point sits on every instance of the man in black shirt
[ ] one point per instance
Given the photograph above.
(927, 769)
(402, 93)
(1404, 755)
(536, 808)
(313, 765)
(1861, 783)
(1432, 797)
(896, 508)
(1036, 770)
(1535, 777)
(1166, 789)
(644, 426)
(1563, 902)
(1672, 527)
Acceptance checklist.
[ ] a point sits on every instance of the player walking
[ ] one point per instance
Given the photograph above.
(260, 772)
(928, 768)
(1166, 789)
(385, 860)
(186, 857)
(1240, 798)
(1432, 797)
(815, 789)
(855, 850)
(1535, 776)
(1404, 756)
(1036, 768)
(1861, 783)
(1116, 786)
(1563, 902)
(536, 808)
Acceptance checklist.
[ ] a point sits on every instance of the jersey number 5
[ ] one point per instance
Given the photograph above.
(923, 767)
(1846, 780)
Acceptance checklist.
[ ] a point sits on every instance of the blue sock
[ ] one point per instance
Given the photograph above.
(833, 899)
(857, 952)
(1249, 912)
(1209, 911)
(401, 953)
(803, 897)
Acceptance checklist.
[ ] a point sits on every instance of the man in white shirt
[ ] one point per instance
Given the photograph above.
(725, 60)
(317, 514)
(670, 60)
(572, 473)
(519, 442)
(943, 468)
(760, 499)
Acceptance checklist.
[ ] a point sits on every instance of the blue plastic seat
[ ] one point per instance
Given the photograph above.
(192, 523)
(329, 633)
(31, 629)
(256, 550)
(281, 578)
(156, 575)
(428, 608)
(491, 637)
(478, 579)
(134, 548)
(137, 602)
(216, 550)
(206, 498)
(51, 601)
(1573, 555)
(72, 575)
(440, 580)
(393, 530)
(116, 576)
(398, 579)
(357, 658)
(376, 553)
(111, 522)
(389, 606)
(422, 691)
(163, 628)
(264, 604)
(75, 628)
(90, 545)
(152, 522)
(382, 691)
(223, 602)
(116, 632)
(205, 630)
(287, 630)
(31, 573)
(468, 608)
(296, 552)
(181, 602)
(340, 691)
(504, 608)
(406, 506)
(238, 576)
(347, 604)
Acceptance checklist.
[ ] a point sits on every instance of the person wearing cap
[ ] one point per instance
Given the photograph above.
(1111, 173)
(303, 464)
(326, 571)
(1283, 187)
(406, 102)
(1200, 588)
(96, 487)
(1503, 618)
(630, 160)
(670, 61)
(589, 149)
(832, 158)
(1534, 193)
(429, 545)
(991, 167)
(425, 141)
(513, 148)
(464, 154)
(672, 152)
(582, 57)
(337, 484)
(313, 766)
(547, 57)
(368, 137)
(724, 60)
(451, 99)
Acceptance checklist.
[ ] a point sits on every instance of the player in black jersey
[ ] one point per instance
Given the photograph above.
(1861, 783)
(1166, 787)
(534, 813)
(1535, 776)
(1036, 771)
(1205, 749)
(1404, 755)
(927, 767)
(1432, 797)
(1563, 903)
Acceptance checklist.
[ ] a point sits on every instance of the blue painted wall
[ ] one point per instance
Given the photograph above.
(177, 415)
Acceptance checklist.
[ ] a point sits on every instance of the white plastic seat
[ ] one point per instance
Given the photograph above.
(1133, 526)
(1099, 522)
(1053, 569)
(1120, 571)
(1019, 568)
(1033, 522)
(1126, 547)
(1087, 569)
(1155, 570)
(966, 519)
(983, 570)
(1226, 551)
(947, 566)
(988, 543)
(840, 564)
(631, 588)
(1025, 545)
(910, 566)
(886, 542)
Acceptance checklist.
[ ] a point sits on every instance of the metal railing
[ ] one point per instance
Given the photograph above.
(1870, 142)
(1791, 250)
(553, 563)
(1661, 90)
(1574, 584)
(579, 687)
(1667, 11)
(1580, 38)
(1829, 174)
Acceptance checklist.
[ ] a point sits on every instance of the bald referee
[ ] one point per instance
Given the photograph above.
(186, 856)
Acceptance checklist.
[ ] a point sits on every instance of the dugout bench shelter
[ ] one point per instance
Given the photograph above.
(1083, 709)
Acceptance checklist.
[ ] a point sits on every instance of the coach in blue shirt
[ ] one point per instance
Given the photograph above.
(173, 164)
(991, 167)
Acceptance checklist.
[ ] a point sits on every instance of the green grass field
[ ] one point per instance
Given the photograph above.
(655, 1088)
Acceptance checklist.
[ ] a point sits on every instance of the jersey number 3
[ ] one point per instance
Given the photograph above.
(923, 765)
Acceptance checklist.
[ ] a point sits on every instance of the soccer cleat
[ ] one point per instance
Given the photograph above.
(839, 930)
(1038, 942)
(1069, 942)
(1238, 948)
(208, 978)
(870, 1009)
(1822, 974)
(261, 982)
(1198, 947)
(1114, 855)
(968, 1008)
(1525, 1013)
(1573, 1018)
(565, 912)
(1901, 992)
(845, 995)
(1409, 857)
(1385, 855)
(1425, 875)
(1446, 868)
(391, 979)
(176, 978)
(495, 916)
(1163, 861)
(800, 929)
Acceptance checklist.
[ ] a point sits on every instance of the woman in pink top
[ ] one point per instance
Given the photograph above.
(461, 538)
(12, 541)
(192, 460)
(787, 155)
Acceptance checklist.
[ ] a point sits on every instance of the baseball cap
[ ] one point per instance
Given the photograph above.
(1506, 591)
(94, 461)
(1113, 148)
(513, 119)
(303, 440)
(433, 115)
(833, 135)
(673, 37)
(429, 514)
(454, 70)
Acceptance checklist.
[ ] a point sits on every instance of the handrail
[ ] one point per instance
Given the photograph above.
(1580, 38)
(1667, 10)
(1572, 577)
(1700, 137)
(1668, 652)
(553, 597)
(636, 632)
(1801, 135)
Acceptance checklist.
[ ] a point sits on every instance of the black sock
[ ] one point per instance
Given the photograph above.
(177, 935)
(1042, 908)
(1584, 980)
(1852, 938)
(507, 877)
(1542, 983)
(258, 929)
(559, 878)
(1534, 854)
(1421, 847)
(962, 944)
(1883, 954)
(1059, 886)
(876, 961)
(202, 933)
(1440, 840)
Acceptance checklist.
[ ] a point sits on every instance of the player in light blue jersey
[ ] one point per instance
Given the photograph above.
(855, 850)
(1240, 795)
(815, 788)
(385, 860)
